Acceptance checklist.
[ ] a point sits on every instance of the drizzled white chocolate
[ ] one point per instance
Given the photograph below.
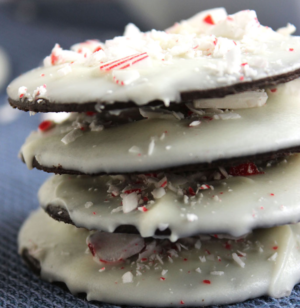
(234, 205)
(209, 51)
(196, 272)
(160, 143)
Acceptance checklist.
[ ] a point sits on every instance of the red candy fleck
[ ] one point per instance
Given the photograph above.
(272, 195)
(191, 191)
(229, 18)
(42, 75)
(54, 58)
(208, 118)
(21, 95)
(144, 259)
(145, 199)
(242, 78)
(185, 259)
(227, 246)
(92, 249)
(46, 125)
(206, 281)
(144, 209)
(246, 169)
(207, 251)
(162, 278)
(215, 41)
(275, 247)
(273, 90)
(181, 302)
(90, 113)
(291, 49)
(244, 64)
(208, 19)
(97, 49)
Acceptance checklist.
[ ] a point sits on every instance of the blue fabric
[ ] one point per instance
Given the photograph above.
(27, 44)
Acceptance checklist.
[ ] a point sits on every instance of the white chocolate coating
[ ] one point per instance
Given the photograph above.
(194, 55)
(273, 127)
(271, 267)
(242, 203)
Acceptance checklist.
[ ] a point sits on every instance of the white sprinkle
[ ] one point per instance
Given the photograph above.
(198, 244)
(223, 171)
(118, 209)
(102, 269)
(158, 192)
(88, 204)
(162, 137)
(260, 249)
(273, 257)
(71, 136)
(202, 259)
(159, 259)
(186, 199)
(216, 198)
(168, 147)
(170, 259)
(227, 116)
(138, 273)
(217, 273)
(198, 270)
(59, 213)
(194, 123)
(151, 147)
(164, 272)
(242, 253)
(238, 260)
(127, 277)
(130, 202)
(191, 217)
(134, 149)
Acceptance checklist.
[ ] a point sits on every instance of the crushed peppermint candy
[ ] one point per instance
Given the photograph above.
(238, 260)
(194, 123)
(273, 257)
(217, 273)
(130, 202)
(127, 277)
(88, 204)
(72, 136)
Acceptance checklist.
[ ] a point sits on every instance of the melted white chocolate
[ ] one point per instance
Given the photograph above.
(272, 127)
(199, 54)
(266, 263)
(235, 206)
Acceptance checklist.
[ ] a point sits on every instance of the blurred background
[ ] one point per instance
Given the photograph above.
(28, 31)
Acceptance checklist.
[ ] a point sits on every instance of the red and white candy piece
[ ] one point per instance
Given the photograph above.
(114, 247)
(22, 91)
(124, 62)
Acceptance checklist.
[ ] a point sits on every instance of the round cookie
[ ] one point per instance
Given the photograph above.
(169, 143)
(191, 60)
(205, 273)
(234, 205)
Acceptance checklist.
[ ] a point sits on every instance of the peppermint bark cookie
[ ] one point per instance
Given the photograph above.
(191, 272)
(169, 141)
(178, 206)
(192, 60)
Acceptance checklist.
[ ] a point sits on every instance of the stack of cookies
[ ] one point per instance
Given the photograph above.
(176, 170)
